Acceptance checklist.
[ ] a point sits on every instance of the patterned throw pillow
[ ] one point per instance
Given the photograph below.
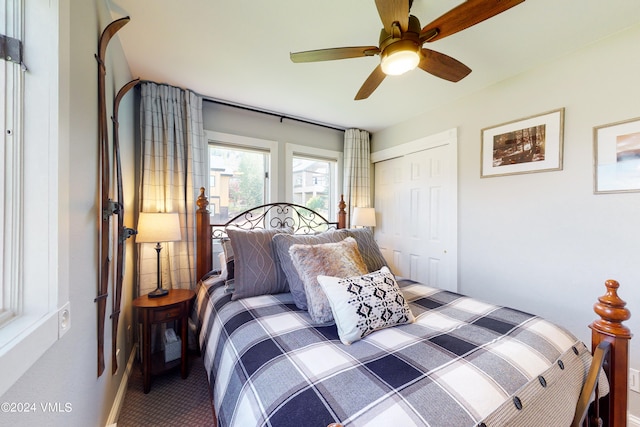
(341, 259)
(364, 304)
(256, 271)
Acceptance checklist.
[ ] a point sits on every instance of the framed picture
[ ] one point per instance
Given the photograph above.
(533, 144)
(616, 149)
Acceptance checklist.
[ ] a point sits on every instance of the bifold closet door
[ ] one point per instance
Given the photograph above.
(414, 199)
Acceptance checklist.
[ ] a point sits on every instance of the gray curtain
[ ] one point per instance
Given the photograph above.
(357, 170)
(173, 168)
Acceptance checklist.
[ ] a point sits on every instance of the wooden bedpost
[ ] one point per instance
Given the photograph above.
(609, 327)
(342, 214)
(204, 254)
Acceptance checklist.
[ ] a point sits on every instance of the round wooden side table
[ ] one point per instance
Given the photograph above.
(176, 305)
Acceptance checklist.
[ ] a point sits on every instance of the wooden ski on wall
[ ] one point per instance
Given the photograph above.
(107, 207)
(123, 232)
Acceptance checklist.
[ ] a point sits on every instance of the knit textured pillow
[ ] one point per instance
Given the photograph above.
(341, 259)
(364, 304)
(256, 270)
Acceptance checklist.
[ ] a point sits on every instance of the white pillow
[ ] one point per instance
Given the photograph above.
(364, 304)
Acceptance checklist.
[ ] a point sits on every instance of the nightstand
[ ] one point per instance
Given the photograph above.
(174, 306)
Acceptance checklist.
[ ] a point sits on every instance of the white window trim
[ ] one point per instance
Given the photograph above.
(36, 328)
(292, 150)
(255, 143)
(11, 180)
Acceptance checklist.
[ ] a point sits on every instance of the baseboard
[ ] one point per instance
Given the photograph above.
(122, 390)
(633, 421)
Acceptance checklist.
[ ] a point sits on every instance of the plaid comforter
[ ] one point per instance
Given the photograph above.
(462, 361)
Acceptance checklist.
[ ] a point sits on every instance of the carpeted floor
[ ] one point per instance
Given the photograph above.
(171, 401)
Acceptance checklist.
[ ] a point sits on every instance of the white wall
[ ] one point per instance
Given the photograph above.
(67, 372)
(221, 118)
(543, 242)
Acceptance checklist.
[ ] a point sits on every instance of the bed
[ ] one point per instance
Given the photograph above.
(313, 329)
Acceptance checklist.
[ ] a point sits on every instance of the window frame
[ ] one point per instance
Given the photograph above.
(35, 136)
(268, 146)
(11, 179)
(297, 150)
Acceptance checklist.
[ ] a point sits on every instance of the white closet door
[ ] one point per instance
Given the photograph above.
(415, 199)
(389, 196)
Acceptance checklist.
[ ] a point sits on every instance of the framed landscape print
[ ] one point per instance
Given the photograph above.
(533, 144)
(616, 149)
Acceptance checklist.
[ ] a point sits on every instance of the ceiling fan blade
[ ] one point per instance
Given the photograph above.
(443, 66)
(334, 53)
(469, 13)
(391, 11)
(371, 84)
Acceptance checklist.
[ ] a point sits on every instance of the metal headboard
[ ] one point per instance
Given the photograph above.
(277, 215)
(273, 215)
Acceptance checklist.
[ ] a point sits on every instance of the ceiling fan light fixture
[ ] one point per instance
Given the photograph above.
(399, 58)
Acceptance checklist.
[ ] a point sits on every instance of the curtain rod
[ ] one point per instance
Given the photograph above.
(255, 110)
(271, 113)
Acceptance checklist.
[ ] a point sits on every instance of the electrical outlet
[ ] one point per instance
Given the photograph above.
(634, 380)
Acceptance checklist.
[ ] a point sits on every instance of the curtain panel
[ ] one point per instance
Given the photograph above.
(173, 168)
(357, 170)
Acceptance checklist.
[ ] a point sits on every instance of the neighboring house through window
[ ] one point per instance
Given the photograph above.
(313, 179)
(239, 174)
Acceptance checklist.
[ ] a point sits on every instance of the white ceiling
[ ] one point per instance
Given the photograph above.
(238, 51)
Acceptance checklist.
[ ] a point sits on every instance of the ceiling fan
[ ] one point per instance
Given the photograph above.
(401, 39)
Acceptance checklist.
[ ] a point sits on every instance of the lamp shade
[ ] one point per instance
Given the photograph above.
(156, 227)
(365, 217)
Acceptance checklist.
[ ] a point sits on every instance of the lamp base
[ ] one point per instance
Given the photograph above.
(158, 292)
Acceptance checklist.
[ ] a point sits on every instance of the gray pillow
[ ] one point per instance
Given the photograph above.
(341, 259)
(282, 243)
(228, 258)
(256, 271)
(368, 248)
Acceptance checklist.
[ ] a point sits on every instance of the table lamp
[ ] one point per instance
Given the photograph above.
(364, 217)
(157, 227)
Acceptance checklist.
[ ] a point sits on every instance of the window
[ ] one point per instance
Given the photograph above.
(313, 179)
(238, 178)
(242, 174)
(30, 294)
